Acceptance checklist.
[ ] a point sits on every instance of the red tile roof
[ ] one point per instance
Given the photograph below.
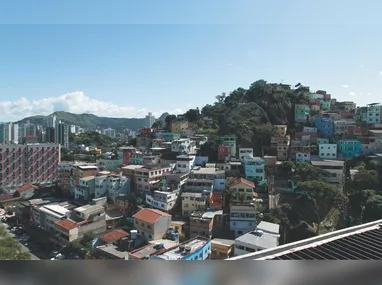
(150, 215)
(114, 236)
(26, 187)
(66, 224)
(242, 181)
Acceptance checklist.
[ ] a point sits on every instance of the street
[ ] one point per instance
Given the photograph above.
(33, 257)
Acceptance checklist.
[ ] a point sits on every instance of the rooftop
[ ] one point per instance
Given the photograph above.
(363, 242)
(263, 240)
(241, 181)
(87, 209)
(269, 227)
(205, 170)
(114, 235)
(55, 210)
(176, 254)
(376, 131)
(224, 242)
(150, 215)
(328, 162)
(66, 224)
(151, 249)
(87, 167)
(112, 250)
(88, 178)
(132, 166)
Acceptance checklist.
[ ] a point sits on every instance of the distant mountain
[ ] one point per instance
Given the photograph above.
(163, 117)
(90, 120)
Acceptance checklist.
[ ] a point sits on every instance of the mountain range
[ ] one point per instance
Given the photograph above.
(91, 121)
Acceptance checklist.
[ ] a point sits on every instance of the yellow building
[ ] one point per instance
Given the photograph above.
(242, 190)
(222, 248)
(179, 126)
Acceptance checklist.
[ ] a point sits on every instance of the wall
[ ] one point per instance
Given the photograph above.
(328, 151)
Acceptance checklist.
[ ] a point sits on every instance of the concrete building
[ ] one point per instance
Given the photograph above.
(264, 237)
(152, 224)
(149, 120)
(282, 144)
(242, 219)
(28, 164)
(202, 223)
(84, 219)
(64, 174)
(324, 125)
(184, 163)
(243, 191)
(222, 248)
(148, 178)
(109, 132)
(349, 148)
(254, 168)
(301, 113)
(231, 141)
(62, 134)
(162, 200)
(373, 114)
(336, 170)
(327, 151)
(193, 202)
(46, 216)
(245, 152)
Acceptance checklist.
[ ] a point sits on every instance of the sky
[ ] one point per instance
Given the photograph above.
(125, 59)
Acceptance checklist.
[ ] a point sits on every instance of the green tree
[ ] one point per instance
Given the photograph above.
(192, 115)
(210, 148)
(372, 208)
(158, 125)
(168, 120)
(11, 249)
(319, 198)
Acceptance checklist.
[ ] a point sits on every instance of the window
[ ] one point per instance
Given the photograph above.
(240, 247)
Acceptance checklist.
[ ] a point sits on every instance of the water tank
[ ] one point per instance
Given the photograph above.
(181, 248)
(147, 257)
(134, 234)
(187, 248)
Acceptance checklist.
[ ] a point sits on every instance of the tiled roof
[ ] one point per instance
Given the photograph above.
(66, 224)
(26, 187)
(114, 236)
(150, 215)
(241, 181)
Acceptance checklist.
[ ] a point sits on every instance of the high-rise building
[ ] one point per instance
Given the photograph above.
(27, 130)
(62, 134)
(50, 135)
(29, 163)
(51, 121)
(109, 132)
(149, 120)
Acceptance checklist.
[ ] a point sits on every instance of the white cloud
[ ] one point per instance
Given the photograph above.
(353, 94)
(345, 86)
(75, 102)
(380, 73)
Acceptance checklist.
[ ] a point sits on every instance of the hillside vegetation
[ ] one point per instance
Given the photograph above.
(90, 120)
(251, 113)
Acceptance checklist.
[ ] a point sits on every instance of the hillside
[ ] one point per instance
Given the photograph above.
(90, 120)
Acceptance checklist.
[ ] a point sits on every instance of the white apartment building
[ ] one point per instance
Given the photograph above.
(182, 146)
(184, 163)
(242, 219)
(109, 132)
(265, 236)
(336, 171)
(46, 216)
(193, 202)
(327, 151)
(149, 120)
(111, 186)
(146, 178)
(162, 200)
(373, 114)
(28, 164)
(245, 152)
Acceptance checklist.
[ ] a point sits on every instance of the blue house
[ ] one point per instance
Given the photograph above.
(349, 148)
(324, 125)
(254, 168)
(198, 248)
